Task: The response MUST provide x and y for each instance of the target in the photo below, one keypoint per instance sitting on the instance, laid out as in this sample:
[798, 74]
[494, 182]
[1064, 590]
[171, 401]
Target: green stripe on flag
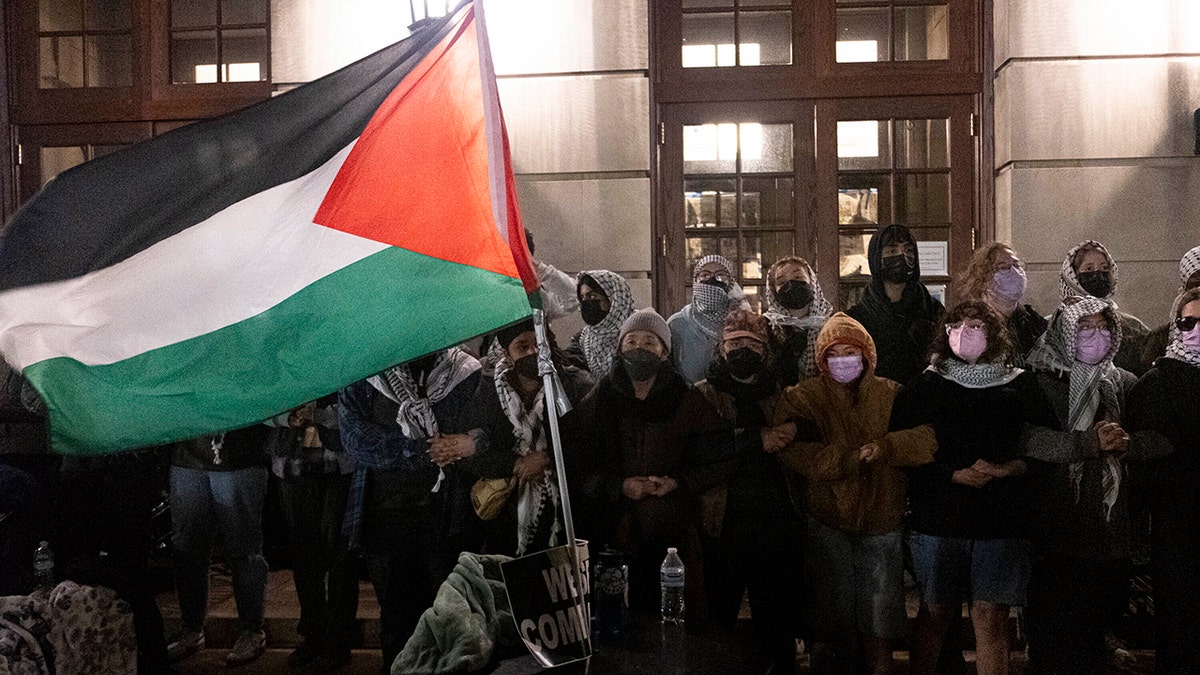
[385, 309]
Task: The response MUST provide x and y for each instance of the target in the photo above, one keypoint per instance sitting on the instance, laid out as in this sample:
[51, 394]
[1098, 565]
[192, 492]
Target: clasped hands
[640, 487]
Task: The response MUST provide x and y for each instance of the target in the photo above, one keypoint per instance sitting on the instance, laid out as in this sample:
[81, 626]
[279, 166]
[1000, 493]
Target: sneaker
[184, 642]
[308, 650]
[249, 646]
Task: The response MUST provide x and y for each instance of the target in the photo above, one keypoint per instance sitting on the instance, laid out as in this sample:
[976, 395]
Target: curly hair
[973, 282]
[1000, 344]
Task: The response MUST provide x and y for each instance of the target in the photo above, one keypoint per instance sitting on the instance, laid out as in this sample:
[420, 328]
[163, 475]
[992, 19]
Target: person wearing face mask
[514, 411]
[968, 507]
[657, 445]
[1089, 270]
[854, 496]
[409, 508]
[796, 310]
[1079, 488]
[1165, 400]
[996, 276]
[696, 329]
[1155, 343]
[752, 530]
[896, 308]
[604, 303]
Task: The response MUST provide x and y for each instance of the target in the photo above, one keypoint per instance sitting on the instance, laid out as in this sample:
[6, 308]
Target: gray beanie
[648, 320]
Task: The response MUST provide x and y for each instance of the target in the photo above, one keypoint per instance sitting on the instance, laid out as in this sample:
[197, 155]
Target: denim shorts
[949, 569]
[854, 582]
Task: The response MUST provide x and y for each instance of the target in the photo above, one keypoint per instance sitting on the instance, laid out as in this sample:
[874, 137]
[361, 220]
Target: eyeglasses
[964, 326]
[1186, 323]
[1089, 331]
[705, 275]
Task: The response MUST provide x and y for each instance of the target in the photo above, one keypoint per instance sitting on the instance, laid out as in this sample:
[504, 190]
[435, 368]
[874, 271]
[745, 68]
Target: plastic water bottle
[671, 577]
[43, 566]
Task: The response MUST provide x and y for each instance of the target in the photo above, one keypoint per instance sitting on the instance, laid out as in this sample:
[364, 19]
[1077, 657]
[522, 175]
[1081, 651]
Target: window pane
[863, 144]
[766, 147]
[858, 206]
[108, 62]
[922, 144]
[60, 63]
[767, 202]
[863, 35]
[58, 160]
[922, 33]
[244, 50]
[102, 150]
[852, 253]
[188, 13]
[107, 14]
[687, 4]
[765, 38]
[194, 57]
[55, 15]
[762, 250]
[754, 296]
[708, 40]
[710, 148]
[699, 246]
[710, 203]
[923, 199]
[244, 11]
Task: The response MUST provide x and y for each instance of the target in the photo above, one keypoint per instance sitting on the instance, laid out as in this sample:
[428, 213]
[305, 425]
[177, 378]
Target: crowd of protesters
[993, 453]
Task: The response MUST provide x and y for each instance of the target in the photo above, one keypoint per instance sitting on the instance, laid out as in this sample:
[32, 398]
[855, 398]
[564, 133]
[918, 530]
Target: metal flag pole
[561, 405]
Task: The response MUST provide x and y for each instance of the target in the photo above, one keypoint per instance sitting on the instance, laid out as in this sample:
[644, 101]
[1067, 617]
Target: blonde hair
[973, 282]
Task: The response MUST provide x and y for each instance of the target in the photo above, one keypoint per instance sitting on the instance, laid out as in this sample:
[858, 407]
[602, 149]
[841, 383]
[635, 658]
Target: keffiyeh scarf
[710, 303]
[978, 376]
[536, 499]
[819, 311]
[1091, 385]
[599, 342]
[1068, 280]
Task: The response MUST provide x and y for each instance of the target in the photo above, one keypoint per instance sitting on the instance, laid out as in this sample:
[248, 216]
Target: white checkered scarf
[1189, 264]
[977, 376]
[1090, 386]
[709, 303]
[1068, 279]
[415, 415]
[600, 342]
[533, 497]
[818, 311]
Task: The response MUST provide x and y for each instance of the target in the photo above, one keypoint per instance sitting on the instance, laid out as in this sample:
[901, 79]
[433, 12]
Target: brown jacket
[841, 490]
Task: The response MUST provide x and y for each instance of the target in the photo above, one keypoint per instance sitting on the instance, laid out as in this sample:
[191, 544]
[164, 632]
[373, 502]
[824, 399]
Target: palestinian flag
[236, 268]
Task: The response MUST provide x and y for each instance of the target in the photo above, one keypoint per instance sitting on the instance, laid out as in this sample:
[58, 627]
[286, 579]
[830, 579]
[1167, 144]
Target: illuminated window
[219, 41]
[741, 37]
[892, 30]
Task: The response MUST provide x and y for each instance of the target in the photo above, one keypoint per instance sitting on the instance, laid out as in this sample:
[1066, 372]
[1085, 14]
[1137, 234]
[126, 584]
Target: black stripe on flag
[106, 210]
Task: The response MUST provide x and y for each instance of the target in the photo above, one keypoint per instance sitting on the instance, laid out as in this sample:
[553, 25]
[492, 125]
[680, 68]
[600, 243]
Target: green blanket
[469, 619]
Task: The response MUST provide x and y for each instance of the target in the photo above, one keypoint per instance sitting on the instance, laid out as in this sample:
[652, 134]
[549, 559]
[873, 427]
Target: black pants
[108, 510]
[324, 570]
[1070, 601]
[1175, 563]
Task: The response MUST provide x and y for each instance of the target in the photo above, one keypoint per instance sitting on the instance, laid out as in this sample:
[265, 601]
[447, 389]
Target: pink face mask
[1191, 338]
[968, 343]
[1092, 345]
[845, 369]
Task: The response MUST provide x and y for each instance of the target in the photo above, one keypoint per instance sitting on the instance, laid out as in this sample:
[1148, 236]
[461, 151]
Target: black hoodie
[901, 330]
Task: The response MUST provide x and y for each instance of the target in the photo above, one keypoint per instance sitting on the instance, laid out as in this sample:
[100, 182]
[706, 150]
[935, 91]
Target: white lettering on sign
[564, 627]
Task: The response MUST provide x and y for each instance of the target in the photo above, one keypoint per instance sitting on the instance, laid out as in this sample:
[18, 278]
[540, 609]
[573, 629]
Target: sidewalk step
[272, 661]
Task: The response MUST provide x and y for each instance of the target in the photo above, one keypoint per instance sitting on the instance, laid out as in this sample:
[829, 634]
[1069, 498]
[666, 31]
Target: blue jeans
[230, 502]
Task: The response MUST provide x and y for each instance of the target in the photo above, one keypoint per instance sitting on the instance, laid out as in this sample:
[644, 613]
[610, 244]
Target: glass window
[219, 41]
[892, 30]
[751, 36]
[84, 43]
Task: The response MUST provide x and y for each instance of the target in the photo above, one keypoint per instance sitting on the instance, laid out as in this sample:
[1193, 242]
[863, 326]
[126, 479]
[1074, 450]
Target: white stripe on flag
[494, 127]
[236, 264]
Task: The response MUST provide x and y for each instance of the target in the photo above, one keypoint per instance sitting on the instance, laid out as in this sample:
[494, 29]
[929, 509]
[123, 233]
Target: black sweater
[970, 424]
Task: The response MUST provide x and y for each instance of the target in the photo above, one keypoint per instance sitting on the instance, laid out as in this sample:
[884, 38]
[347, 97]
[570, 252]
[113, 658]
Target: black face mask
[744, 363]
[897, 268]
[528, 366]
[712, 281]
[640, 364]
[795, 294]
[591, 312]
[1097, 284]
